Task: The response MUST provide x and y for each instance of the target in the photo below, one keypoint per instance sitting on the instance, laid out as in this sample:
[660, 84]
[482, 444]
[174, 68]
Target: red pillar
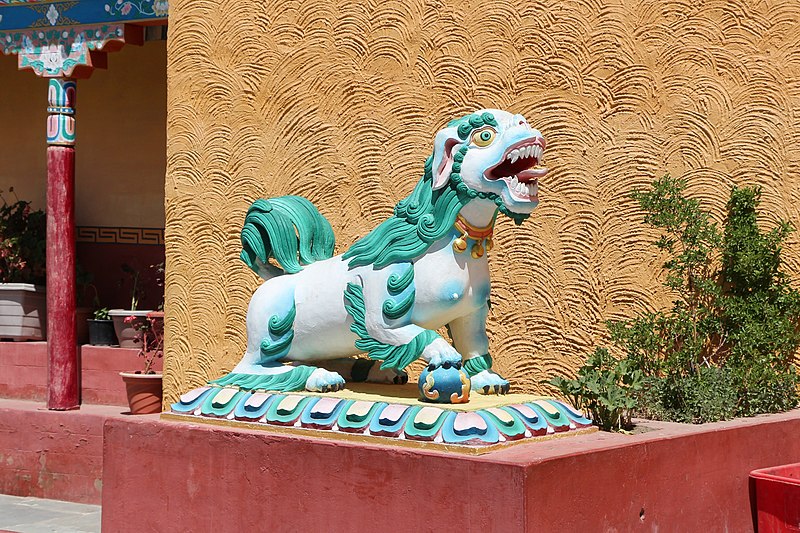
[63, 389]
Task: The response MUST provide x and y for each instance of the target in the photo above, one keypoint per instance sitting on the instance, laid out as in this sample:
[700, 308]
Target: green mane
[418, 221]
[425, 216]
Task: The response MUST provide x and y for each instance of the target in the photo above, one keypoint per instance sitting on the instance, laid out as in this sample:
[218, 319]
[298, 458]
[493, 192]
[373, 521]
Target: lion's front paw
[440, 352]
[322, 380]
[489, 382]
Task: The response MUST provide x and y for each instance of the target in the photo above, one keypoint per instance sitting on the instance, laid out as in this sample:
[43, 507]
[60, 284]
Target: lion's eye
[484, 137]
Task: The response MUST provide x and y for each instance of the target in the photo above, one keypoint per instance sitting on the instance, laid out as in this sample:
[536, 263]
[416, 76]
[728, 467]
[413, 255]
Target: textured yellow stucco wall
[339, 101]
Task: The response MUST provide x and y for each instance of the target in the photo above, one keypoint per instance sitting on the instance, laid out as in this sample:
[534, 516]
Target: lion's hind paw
[489, 382]
[322, 380]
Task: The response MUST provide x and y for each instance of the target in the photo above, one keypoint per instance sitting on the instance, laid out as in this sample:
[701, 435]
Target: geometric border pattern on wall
[114, 235]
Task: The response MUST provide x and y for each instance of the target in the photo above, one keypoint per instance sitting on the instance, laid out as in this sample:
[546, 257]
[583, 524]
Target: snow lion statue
[423, 268]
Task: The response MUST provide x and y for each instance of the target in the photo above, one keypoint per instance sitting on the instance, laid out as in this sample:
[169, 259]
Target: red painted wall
[676, 478]
[208, 479]
[52, 454]
[23, 372]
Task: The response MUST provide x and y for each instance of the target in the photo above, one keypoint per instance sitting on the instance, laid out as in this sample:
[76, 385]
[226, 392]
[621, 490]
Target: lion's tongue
[531, 174]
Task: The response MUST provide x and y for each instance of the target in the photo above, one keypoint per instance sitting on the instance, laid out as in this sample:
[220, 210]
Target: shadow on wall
[104, 262]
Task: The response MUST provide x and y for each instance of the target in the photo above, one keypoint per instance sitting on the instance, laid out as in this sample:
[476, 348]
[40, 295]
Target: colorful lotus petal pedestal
[387, 414]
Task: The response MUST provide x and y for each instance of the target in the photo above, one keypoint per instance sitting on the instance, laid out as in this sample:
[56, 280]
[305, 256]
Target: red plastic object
[778, 498]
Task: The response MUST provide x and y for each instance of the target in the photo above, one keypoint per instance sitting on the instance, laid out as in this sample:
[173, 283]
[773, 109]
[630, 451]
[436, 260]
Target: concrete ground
[35, 515]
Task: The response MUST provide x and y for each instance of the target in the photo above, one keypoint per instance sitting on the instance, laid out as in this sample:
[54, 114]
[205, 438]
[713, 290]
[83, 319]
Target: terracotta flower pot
[144, 392]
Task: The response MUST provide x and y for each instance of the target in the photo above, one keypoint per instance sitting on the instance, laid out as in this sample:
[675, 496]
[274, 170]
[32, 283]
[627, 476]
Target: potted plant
[144, 386]
[126, 321]
[101, 329]
[23, 314]
[157, 317]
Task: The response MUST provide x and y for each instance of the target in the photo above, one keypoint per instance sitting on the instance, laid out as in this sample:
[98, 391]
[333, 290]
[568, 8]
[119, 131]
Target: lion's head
[496, 154]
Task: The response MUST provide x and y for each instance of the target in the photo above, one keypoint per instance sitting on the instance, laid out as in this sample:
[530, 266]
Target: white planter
[126, 332]
[23, 312]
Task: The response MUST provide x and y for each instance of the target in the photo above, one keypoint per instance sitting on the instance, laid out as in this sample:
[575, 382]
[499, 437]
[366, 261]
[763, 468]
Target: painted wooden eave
[42, 15]
[71, 38]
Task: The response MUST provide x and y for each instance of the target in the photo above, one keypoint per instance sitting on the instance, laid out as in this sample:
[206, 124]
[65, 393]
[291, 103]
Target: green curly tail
[288, 229]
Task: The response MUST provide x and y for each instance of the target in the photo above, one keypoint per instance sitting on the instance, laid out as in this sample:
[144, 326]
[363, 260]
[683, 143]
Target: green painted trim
[293, 380]
[393, 309]
[476, 365]
[396, 357]
[280, 326]
[466, 124]
[277, 415]
[397, 284]
[208, 407]
[274, 351]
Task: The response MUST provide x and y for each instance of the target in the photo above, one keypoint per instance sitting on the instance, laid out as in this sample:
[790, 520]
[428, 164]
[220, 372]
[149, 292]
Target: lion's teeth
[514, 181]
[514, 155]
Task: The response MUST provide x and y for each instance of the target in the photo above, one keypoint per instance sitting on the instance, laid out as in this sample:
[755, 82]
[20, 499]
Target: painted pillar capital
[61, 94]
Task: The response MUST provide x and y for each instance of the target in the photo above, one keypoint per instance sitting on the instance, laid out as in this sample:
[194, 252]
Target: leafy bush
[22, 243]
[606, 387]
[704, 396]
[726, 346]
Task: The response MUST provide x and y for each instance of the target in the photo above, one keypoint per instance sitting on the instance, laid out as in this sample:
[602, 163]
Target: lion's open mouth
[519, 169]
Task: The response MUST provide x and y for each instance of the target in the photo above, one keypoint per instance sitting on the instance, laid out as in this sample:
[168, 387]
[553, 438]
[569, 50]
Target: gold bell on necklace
[489, 243]
[460, 245]
[477, 250]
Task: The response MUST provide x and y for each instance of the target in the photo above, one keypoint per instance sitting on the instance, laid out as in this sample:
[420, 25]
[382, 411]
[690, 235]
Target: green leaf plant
[727, 345]
[605, 387]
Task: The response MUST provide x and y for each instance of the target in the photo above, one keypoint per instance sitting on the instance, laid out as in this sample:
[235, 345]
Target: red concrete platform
[159, 474]
[53, 454]
[23, 372]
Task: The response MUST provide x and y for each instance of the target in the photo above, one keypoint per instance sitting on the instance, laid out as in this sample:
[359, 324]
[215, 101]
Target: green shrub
[726, 346]
[705, 396]
[605, 387]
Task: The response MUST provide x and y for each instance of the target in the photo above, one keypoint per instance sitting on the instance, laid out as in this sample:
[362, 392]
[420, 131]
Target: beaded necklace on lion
[481, 236]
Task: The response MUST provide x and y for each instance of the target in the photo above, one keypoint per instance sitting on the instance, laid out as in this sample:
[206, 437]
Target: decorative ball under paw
[447, 383]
